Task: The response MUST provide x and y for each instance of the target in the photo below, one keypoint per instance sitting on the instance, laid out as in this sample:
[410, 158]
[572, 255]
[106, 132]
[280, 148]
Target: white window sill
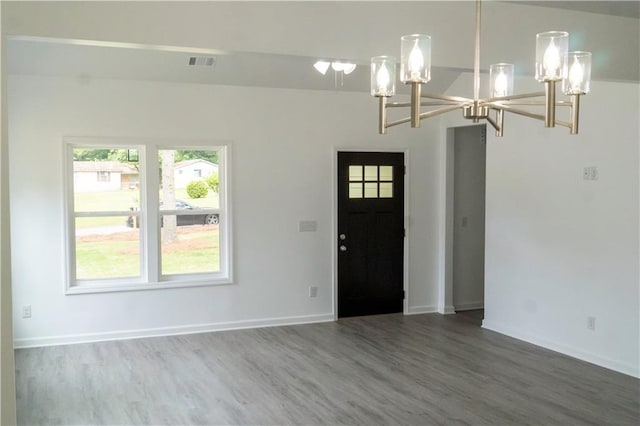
[91, 288]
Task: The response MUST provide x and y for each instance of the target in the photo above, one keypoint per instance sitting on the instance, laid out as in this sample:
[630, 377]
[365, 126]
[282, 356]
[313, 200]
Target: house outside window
[104, 176]
[124, 236]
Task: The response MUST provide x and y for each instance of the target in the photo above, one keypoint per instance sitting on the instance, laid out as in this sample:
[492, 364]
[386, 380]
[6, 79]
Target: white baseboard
[447, 310]
[32, 342]
[629, 369]
[469, 306]
[424, 309]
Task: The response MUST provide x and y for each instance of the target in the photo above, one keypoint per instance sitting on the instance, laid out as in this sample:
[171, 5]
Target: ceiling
[629, 8]
[86, 60]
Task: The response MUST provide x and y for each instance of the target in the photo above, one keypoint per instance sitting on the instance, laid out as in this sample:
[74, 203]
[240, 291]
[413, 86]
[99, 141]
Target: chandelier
[554, 63]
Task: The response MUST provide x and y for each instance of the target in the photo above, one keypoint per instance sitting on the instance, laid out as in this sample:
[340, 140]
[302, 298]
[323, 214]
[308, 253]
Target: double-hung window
[149, 225]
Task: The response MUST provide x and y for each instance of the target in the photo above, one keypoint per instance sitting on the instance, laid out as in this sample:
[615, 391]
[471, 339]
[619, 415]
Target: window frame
[151, 277]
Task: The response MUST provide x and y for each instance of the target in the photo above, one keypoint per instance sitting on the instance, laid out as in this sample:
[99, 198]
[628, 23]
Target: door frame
[334, 222]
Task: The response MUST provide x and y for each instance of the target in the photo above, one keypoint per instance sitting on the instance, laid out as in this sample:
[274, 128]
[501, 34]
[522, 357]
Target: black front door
[370, 236]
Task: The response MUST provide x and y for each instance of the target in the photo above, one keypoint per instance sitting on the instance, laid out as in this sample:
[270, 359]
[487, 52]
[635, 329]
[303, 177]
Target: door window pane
[355, 173]
[386, 190]
[355, 190]
[370, 173]
[386, 173]
[371, 190]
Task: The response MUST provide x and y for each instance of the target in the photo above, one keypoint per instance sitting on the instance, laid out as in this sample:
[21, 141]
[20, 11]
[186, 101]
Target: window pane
[371, 190]
[355, 190]
[386, 173]
[386, 190]
[189, 179]
[355, 173]
[106, 248]
[103, 180]
[370, 172]
[190, 247]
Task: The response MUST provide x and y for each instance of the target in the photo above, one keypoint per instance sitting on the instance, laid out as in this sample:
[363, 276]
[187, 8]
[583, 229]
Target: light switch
[307, 226]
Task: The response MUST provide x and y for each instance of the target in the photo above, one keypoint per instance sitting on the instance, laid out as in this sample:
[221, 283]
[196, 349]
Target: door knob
[343, 237]
[343, 248]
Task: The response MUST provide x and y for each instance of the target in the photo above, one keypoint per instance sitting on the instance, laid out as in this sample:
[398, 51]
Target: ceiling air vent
[202, 61]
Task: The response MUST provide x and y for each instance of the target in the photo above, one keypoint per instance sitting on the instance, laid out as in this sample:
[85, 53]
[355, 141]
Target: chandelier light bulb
[551, 60]
[501, 80]
[383, 76]
[500, 87]
[383, 79]
[576, 75]
[416, 62]
[415, 52]
[551, 55]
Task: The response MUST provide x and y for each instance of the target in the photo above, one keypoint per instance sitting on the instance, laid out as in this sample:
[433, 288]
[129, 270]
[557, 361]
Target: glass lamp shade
[345, 67]
[383, 76]
[415, 61]
[348, 68]
[551, 54]
[322, 66]
[577, 74]
[500, 80]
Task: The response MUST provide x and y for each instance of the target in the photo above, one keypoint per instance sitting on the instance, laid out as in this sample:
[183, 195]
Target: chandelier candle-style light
[554, 63]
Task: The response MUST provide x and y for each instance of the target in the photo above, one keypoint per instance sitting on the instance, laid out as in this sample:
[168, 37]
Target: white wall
[559, 248]
[291, 138]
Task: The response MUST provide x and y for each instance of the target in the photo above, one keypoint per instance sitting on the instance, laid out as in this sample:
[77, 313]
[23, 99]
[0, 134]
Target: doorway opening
[466, 182]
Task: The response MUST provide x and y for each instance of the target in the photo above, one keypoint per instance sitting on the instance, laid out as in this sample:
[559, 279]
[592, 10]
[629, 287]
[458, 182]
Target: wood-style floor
[381, 370]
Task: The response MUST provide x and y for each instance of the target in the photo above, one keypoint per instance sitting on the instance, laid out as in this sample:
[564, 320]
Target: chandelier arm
[400, 121]
[517, 111]
[450, 98]
[408, 104]
[512, 97]
[540, 117]
[528, 103]
[500, 120]
[493, 123]
[434, 112]
[575, 113]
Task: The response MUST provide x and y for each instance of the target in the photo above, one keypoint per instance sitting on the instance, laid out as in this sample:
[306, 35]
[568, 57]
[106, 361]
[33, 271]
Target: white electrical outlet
[591, 323]
[313, 291]
[26, 311]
